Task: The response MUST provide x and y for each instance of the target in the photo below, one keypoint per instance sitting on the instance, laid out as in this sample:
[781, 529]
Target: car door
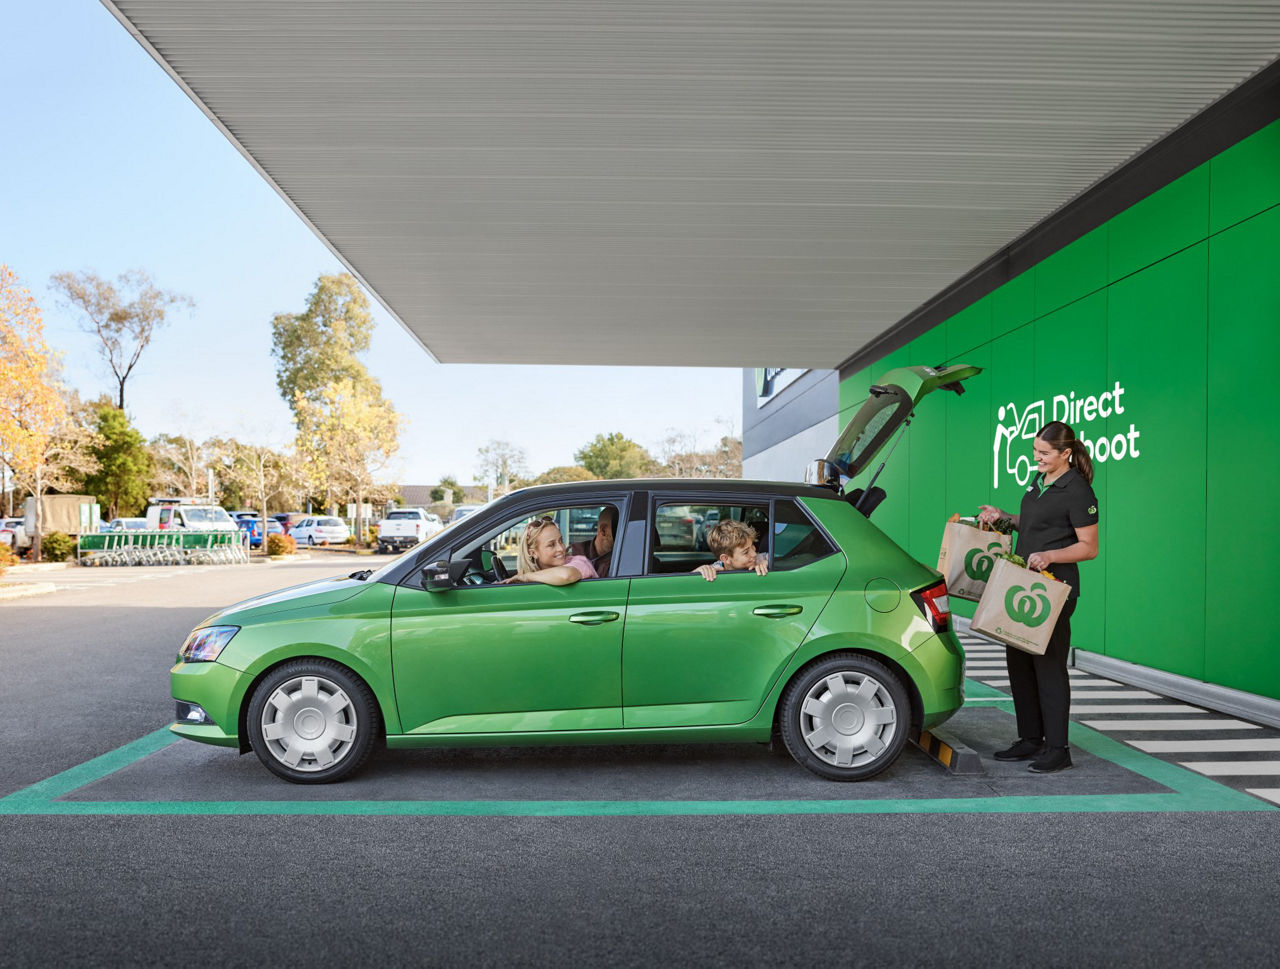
[492, 659]
[699, 653]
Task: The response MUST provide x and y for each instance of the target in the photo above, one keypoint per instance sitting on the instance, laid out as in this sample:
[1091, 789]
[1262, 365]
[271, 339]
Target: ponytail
[1081, 461]
[1061, 437]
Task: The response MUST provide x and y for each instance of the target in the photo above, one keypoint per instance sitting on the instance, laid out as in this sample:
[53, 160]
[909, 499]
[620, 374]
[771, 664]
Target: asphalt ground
[120, 846]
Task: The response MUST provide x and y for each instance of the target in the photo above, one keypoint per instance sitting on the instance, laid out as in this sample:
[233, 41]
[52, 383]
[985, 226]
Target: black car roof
[684, 485]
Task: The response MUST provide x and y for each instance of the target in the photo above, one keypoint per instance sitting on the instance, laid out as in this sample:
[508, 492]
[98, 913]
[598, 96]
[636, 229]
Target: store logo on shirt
[1016, 428]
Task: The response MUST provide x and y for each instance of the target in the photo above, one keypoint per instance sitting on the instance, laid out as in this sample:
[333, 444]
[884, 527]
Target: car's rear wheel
[312, 722]
[846, 717]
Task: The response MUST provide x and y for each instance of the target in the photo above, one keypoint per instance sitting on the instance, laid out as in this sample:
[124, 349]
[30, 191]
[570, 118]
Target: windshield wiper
[361, 575]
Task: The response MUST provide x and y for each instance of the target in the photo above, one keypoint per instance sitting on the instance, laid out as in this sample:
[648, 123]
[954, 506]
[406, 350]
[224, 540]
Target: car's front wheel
[845, 717]
[313, 721]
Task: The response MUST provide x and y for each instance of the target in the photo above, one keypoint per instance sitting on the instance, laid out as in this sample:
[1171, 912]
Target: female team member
[1057, 528]
[542, 557]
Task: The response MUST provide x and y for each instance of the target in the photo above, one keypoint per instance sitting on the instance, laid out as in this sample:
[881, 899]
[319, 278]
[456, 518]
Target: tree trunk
[38, 532]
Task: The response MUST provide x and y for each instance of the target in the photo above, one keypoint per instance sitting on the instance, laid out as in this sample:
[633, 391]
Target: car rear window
[330, 522]
[797, 541]
[681, 530]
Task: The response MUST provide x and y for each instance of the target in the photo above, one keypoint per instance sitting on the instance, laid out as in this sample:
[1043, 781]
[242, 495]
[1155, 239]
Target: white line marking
[1114, 695]
[1239, 745]
[1188, 725]
[1233, 768]
[1085, 709]
[1266, 793]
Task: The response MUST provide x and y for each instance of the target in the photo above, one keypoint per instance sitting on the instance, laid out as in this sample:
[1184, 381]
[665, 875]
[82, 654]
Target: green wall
[1175, 301]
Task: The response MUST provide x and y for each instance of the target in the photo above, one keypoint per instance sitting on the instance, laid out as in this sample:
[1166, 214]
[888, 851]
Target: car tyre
[845, 717]
[313, 721]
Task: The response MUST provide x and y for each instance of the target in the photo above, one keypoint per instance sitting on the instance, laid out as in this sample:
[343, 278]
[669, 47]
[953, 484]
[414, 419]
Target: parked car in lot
[201, 518]
[406, 527]
[13, 534]
[320, 530]
[127, 525]
[844, 648]
[290, 518]
[462, 511]
[253, 528]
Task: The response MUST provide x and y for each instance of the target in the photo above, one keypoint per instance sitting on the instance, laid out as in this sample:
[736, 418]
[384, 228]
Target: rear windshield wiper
[361, 575]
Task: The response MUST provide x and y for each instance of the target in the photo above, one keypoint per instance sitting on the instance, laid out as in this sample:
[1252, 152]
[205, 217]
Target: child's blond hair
[729, 535]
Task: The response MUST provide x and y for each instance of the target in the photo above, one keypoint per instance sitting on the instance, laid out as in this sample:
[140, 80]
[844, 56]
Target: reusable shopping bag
[967, 557]
[1019, 607]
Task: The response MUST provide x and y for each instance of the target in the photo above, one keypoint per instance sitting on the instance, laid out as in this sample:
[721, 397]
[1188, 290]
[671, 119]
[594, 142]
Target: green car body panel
[629, 659]
[700, 661]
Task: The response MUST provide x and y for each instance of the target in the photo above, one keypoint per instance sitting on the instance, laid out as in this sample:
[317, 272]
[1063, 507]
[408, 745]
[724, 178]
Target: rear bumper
[398, 541]
[941, 660]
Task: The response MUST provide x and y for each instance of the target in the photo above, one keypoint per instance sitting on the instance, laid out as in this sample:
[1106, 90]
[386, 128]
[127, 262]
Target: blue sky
[109, 166]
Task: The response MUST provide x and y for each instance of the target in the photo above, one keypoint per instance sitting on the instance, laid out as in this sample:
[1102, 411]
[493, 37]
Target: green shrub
[7, 557]
[281, 545]
[57, 547]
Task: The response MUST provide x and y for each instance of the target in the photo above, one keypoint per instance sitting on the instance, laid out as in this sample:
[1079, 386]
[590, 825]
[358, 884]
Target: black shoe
[1022, 750]
[1053, 759]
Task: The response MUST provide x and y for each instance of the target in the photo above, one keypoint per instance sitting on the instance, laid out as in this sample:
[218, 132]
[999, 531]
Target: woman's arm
[1085, 548]
[556, 575]
[991, 514]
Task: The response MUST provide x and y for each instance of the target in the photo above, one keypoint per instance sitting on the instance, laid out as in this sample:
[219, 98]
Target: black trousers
[1041, 687]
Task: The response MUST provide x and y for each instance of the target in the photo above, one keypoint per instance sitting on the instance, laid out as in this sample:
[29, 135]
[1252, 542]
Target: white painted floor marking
[1113, 695]
[1233, 768]
[1271, 794]
[1236, 746]
[1085, 709]
[1189, 725]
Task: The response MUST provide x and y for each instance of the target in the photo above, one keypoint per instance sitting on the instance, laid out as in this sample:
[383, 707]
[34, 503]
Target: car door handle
[593, 618]
[777, 612]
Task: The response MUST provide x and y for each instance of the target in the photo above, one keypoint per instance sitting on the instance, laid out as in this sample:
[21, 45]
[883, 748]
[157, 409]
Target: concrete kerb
[39, 567]
[26, 589]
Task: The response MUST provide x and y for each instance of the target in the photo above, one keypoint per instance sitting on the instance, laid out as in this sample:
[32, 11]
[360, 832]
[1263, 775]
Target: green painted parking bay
[160, 774]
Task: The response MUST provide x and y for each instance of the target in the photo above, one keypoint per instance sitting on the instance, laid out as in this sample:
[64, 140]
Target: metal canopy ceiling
[710, 182]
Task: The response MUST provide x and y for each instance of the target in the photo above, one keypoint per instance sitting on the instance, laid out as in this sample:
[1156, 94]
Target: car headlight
[205, 645]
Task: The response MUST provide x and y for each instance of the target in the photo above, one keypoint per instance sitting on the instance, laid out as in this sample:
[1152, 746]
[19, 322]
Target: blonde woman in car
[542, 557]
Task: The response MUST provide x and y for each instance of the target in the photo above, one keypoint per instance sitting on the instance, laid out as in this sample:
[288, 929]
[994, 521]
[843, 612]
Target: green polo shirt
[1049, 517]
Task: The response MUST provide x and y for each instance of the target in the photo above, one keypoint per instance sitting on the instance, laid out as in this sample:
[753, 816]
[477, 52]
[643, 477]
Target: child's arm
[708, 572]
[762, 565]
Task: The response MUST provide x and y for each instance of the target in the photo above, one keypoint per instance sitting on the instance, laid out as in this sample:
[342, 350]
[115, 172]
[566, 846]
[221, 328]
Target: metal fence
[175, 547]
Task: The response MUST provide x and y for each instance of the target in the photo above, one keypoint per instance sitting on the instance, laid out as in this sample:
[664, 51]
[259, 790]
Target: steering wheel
[499, 569]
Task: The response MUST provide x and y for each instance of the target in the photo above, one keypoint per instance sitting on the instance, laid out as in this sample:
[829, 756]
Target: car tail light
[936, 607]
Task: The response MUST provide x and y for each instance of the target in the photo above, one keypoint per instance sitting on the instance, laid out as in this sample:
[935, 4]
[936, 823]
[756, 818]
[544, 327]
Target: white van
[197, 518]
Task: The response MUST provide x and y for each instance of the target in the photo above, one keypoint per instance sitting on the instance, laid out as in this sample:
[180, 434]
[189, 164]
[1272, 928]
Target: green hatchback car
[844, 648]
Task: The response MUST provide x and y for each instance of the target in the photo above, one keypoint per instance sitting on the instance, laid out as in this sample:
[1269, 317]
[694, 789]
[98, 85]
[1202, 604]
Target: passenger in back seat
[734, 544]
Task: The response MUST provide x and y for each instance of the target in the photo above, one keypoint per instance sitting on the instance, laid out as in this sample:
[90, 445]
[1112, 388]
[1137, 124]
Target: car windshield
[205, 516]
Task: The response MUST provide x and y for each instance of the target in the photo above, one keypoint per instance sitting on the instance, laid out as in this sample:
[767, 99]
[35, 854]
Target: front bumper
[220, 691]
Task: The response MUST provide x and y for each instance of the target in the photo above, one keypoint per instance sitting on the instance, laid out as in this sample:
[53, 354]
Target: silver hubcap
[848, 719]
[309, 724]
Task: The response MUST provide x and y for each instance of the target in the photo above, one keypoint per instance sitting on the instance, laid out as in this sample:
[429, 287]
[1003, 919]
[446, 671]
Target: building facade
[1147, 315]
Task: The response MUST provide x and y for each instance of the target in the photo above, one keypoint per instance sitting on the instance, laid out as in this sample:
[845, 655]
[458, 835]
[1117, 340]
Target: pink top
[583, 565]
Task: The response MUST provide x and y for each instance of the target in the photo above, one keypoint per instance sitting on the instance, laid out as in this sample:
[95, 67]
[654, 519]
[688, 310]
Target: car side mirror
[442, 576]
